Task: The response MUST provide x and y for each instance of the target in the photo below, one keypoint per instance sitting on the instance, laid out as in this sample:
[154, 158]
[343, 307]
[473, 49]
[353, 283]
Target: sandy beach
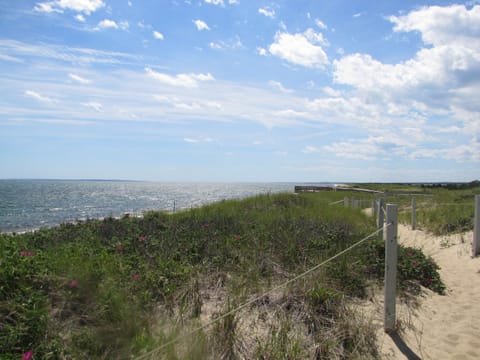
[440, 327]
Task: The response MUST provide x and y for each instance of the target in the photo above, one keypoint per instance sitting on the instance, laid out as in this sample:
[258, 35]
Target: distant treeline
[453, 186]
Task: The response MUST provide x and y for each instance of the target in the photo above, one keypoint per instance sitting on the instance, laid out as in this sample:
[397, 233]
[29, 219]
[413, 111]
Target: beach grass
[120, 288]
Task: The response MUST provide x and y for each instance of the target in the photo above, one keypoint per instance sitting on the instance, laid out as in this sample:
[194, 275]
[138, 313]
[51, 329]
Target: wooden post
[374, 207]
[380, 217]
[345, 201]
[390, 269]
[476, 229]
[414, 206]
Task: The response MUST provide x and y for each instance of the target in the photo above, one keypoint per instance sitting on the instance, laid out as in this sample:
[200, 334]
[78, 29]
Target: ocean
[27, 205]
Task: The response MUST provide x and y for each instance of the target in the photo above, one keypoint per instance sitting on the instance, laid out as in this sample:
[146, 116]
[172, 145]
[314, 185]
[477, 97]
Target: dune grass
[118, 288]
[441, 209]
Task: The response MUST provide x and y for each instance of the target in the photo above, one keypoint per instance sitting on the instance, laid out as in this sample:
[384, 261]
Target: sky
[240, 90]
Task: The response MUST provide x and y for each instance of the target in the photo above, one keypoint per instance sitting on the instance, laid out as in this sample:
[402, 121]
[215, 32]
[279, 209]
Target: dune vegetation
[144, 287]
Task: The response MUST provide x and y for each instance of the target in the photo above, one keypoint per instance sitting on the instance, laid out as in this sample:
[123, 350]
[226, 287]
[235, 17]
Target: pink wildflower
[428, 281]
[142, 238]
[409, 254]
[119, 247]
[30, 254]
[23, 253]
[136, 277]
[237, 237]
[73, 284]
[27, 356]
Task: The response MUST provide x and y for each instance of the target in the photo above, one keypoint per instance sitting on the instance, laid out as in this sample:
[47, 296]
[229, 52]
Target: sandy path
[442, 327]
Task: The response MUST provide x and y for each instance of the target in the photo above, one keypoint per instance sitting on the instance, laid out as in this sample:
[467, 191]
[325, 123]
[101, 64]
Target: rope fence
[259, 297]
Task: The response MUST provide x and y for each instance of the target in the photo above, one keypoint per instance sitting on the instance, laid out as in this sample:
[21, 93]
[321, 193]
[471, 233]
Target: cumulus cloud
[267, 11]
[183, 80]
[82, 6]
[201, 25]
[157, 35]
[111, 24]
[35, 95]
[261, 51]
[438, 25]
[78, 79]
[440, 74]
[303, 49]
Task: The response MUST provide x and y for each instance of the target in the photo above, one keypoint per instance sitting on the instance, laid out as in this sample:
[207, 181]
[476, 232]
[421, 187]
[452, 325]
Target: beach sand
[440, 327]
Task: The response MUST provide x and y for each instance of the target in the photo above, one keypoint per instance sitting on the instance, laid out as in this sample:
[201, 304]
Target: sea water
[31, 204]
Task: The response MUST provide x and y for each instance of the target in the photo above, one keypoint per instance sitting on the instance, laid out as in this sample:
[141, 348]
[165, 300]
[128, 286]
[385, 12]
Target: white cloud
[438, 25]
[82, 6]
[34, 95]
[278, 85]
[79, 79]
[107, 24]
[438, 77]
[362, 149]
[261, 51]
[267, 11]
[215, 2]
[231, 44]
[201, 25]
[129, 3]
[80, 17]
[157, 35]
[182, 80]
[320, 24]
[94, 105]
[300, 48]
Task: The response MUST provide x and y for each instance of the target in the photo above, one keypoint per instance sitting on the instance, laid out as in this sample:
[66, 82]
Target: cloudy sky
[240, 90]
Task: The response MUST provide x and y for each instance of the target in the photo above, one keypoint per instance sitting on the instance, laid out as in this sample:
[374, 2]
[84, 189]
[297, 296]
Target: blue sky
[237, 90]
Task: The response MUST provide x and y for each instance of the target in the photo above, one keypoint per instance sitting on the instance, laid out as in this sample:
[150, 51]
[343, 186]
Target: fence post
[390, 269]
[414, 207]
[476, 229]
[380, 217]
[345, 201]
[374, 207]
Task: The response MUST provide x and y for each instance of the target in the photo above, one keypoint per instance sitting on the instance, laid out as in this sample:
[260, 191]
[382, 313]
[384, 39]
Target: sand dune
[441, 327]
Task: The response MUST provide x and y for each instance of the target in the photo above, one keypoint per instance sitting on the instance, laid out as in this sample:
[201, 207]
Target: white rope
[336, 202]
[260, 296]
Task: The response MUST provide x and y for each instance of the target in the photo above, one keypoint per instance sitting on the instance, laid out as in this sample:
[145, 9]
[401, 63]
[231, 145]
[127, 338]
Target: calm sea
[32, 204]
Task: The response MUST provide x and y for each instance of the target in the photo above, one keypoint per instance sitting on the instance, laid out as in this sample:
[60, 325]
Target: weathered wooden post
[380, 217]
[414, 206]
[345, 201]
[390, 269]
[476, 229]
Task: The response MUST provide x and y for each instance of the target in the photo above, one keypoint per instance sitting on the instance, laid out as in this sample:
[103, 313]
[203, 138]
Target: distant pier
[313, 188]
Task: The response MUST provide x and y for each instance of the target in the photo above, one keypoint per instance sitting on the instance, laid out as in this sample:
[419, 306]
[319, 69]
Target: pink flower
[409, 254]
[142, 238]
[136, 277]
[428, 281]
[73, 283]
[27, 356]
[23, 253]
[237, 237]
[30, 254]
[119, 247]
